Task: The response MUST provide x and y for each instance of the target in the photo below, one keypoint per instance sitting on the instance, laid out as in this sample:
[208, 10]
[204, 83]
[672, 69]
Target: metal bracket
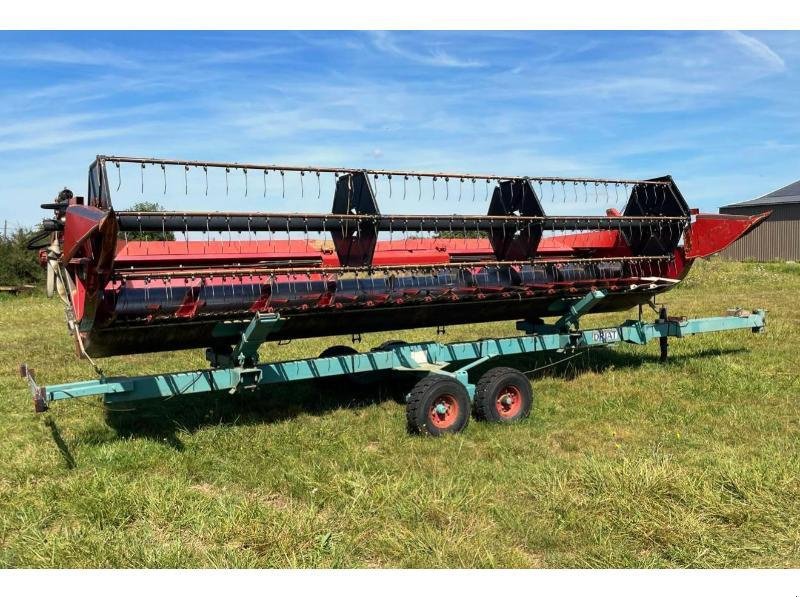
[578, 309]
[245, 379]
[246, 351]
[570, 321]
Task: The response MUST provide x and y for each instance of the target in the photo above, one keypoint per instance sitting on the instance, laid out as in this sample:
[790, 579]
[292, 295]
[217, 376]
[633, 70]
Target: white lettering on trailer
[605, 336]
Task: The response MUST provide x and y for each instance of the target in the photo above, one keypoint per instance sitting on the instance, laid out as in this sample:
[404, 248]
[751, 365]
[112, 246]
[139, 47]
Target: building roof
[786, 195]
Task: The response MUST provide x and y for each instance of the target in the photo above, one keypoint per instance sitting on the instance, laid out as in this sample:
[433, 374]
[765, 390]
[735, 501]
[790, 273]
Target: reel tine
[319, 187]
[419, 183]
[283, 185]
[265, 183]
[205, 170]
[119, 175]
[227, 170]
[302, 191]
[627, 196]
[244, 171]
[460, 185]
[447, 189]
[473, 189]
[164, 172]
[405, 179]
[389, 177]
[433, 186]
[185, 180]
[142, 177]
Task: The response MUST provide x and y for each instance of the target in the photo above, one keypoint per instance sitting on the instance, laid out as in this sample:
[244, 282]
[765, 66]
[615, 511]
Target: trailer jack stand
[663, 341]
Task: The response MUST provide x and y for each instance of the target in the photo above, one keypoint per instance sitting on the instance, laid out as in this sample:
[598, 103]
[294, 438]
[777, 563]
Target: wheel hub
[509, 402]
[444, 411]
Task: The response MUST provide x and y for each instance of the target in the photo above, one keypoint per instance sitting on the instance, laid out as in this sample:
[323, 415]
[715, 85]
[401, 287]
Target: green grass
[624, 463]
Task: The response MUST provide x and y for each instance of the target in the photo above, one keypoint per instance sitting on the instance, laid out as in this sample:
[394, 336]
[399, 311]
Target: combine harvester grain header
[352, 270]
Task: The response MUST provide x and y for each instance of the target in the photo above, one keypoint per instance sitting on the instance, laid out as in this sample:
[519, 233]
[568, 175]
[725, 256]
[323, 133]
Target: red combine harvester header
[354, 270]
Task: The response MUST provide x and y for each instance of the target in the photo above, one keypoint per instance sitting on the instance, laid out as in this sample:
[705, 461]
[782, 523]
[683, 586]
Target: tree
[148, 236]
[18, 265]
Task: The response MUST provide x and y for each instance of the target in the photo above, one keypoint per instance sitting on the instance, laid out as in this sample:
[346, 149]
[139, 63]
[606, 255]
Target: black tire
[338, 351]
[390, 345]
[438, 405]
[503, 395]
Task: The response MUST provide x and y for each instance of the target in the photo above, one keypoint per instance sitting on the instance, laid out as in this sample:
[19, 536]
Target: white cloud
[436, 57]
[758, 49]
[66, 54]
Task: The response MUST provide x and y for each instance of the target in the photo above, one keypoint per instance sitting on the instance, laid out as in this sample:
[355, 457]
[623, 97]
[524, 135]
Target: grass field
[624, 463]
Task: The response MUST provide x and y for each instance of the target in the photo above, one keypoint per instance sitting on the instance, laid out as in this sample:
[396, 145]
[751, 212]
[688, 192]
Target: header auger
[356, 269]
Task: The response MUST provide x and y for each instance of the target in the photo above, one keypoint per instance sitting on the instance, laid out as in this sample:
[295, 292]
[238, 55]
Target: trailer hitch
[39, 394]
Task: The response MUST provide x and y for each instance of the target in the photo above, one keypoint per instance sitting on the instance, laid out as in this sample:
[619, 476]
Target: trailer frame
[239, 369]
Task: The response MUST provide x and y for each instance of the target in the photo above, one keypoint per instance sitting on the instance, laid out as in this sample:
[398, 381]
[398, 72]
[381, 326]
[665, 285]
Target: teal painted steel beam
[254, 335]
[577, 309]
[407, 357]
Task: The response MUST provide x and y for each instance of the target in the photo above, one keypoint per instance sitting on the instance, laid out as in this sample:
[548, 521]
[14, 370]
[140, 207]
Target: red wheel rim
[444, 411]
[509, 402]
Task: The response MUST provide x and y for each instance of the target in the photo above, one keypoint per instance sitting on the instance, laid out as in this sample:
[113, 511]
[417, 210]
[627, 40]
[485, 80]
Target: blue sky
[720, 111]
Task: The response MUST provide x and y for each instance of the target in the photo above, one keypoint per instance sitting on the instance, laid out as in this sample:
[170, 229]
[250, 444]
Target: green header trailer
[444, 397]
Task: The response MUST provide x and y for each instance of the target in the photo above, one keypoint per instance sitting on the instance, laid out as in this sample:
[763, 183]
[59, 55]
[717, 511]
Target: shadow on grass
[598, 360]
[55, 432]
[162, 420]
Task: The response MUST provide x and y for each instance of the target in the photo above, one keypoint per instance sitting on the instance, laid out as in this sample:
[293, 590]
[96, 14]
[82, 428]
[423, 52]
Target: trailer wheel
[437, 405]
[503, 395]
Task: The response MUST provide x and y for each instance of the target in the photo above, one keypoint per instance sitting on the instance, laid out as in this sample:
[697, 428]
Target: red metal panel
[710, 234]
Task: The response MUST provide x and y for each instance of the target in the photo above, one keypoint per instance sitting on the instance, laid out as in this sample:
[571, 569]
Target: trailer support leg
[663, 341]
